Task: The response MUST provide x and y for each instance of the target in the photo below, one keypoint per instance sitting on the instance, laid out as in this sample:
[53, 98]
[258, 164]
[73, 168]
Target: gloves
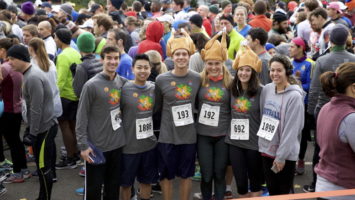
[28, 139]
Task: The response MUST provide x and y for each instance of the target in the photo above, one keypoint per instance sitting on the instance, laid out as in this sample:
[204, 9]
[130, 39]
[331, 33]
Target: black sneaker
[156, 189]
[308, 188]
[68, 163]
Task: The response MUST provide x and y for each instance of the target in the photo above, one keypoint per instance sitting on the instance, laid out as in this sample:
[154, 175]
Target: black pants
[43, 148]
[213, 159]
[10, 124]
[282, 182]
[107, 174]
[246, 169]
[306, 134]
[316, 151]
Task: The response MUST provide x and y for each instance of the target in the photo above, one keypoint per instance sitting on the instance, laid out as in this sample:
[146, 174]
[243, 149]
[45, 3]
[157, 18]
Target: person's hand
[28, 139]
[279, 165]
[86, 155]
[290, 35]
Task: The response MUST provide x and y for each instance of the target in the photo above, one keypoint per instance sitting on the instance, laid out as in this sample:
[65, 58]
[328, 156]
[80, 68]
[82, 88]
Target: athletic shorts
[143, 165]
[176, 160]
[69, 109]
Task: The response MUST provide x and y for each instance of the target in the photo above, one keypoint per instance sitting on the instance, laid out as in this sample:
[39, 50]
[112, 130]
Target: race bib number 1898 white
[144, 128]
[268, 127]
[182, 115]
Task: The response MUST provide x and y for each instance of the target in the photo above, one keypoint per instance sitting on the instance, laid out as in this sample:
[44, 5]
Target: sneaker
[197, 176]
[308, 188]
[6, 164]
[228, 195]
[26, 173]
[30, 158]
[156, 189]
[68, 163]
[3, 176]
[79, 191]
[300, 167]
[265, 191]
[3, 190]
[198, 195]
[82, 172]
[15, 178]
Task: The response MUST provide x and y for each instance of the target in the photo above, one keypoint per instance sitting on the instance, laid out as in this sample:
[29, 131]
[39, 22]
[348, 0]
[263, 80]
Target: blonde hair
[39, 48]
[227, 77]
[156, 61]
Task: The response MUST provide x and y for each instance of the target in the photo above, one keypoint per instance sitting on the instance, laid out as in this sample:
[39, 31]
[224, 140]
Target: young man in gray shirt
[99, 129]
[40, 116]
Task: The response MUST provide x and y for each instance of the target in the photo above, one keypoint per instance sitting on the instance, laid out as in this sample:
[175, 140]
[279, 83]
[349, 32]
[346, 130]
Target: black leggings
[282, 182]
[246, 169]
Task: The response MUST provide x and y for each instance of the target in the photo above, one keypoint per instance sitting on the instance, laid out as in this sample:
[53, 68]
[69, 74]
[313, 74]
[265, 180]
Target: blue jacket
[302, 70]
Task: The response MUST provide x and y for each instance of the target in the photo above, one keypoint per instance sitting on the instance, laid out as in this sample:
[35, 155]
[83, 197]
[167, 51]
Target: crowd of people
[157, 90]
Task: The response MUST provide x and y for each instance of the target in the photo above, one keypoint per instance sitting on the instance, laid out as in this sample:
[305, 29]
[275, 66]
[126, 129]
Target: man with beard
[280, 26]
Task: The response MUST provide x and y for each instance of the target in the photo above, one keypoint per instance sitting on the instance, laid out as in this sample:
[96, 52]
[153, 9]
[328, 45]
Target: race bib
[116, 118]
[240, 129]
[268, 127]
[209, 115]
[182, 115]
[144, 128]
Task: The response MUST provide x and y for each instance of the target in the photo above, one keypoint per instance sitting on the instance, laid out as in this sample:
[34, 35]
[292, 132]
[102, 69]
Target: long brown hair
[39, 48]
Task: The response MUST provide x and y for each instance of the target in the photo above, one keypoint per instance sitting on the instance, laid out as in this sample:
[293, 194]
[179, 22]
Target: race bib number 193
[182, 115]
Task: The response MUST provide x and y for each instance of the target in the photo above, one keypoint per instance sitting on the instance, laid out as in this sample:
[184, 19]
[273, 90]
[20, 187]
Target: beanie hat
[86, 42]
[64, 35]
[20, 52]
[117, 3]
[66, 8]
[228, 18]
[269, 46]
[247, 57]
[213, 9]
[197, 20]
[3, 5]
[279, 17]
[339, 34]
[13, 9]
[225, 4]
[215, 50]
[28, 8]
[179, 43]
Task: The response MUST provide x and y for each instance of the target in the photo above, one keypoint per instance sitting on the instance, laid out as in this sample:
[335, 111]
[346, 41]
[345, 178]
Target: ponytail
[328, 83]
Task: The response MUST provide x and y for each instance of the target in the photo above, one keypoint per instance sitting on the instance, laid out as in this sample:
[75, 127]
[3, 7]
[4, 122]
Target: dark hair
[108, 49]
[120, 35]
[186, 26]
[260, 34]
[81, 18]
[260, 7]
[104, 20]
[336, 82]
[3, 5]
[140, 57]
[179, 3]
[253, 85]
[7, 43]
[137, 6]
[199, 40]
[284, 61]
[318, 12]
[311, 5]
[276, 39]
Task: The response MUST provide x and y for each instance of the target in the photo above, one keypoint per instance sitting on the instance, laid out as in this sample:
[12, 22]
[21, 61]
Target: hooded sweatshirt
[286, 107]
[154, 33]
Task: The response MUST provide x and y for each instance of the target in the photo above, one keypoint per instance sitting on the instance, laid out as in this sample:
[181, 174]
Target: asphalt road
[69, 180]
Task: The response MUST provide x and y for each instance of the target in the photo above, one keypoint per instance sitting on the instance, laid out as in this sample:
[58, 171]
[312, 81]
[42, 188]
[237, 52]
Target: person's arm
[35, 90]
[346, 130]
[62, 72]
[314, 89]
[79, 80]
[158, 97]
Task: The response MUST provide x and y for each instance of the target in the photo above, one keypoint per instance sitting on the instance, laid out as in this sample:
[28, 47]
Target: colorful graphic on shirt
[173, 83]
[106, 89]
[135, 94]
[183, 91]
[145, 103]
[242, 104]
[214, 94]
[115, 96]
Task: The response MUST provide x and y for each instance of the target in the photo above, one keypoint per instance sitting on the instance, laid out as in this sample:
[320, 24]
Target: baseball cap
[335, 6]
[166, 18]
[87, 24]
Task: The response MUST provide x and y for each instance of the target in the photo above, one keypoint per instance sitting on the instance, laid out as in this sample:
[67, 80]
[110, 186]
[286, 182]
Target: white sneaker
[198, 195]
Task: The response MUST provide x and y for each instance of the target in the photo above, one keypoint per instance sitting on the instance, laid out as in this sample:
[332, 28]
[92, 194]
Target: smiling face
[278, 73]
[181, 58]
[214, 68]
[244, 74]
[141, 70]
[110, 62]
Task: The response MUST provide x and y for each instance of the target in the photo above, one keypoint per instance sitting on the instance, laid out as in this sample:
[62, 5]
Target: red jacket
[154, 33]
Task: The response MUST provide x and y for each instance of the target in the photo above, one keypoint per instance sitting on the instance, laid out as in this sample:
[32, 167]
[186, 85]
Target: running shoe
[82, 172]
[26, 173]
[228, 195]
[6, 164]
[308, 188]
[80, 191]
[300, 167]
[67, 163]
[264, 190]
[15, 178]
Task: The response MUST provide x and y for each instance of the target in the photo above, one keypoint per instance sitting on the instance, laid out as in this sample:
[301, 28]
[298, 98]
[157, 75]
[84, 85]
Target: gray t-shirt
[244, 107]
[210, 121]
[137, 111]
[264, 74]
[175, 98]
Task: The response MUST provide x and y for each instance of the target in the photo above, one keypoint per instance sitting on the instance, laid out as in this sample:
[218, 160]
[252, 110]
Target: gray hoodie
[287, 107]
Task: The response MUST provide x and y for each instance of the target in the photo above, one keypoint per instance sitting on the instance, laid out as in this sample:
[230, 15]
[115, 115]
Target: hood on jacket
[155, 31]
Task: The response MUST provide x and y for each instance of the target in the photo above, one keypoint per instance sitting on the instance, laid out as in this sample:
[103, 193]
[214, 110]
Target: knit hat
[20, 52]
[279, 17]
[215, 50]
[28, 8]
[117, 3]
[213, 9]
[225, 4]
[41, 12]
[228, 18]
[179, 43]
[86, 42]
[67, 9]
[247, 57]
[339, 34]
[13, 9]
[46, 4]
[64, 35]
[269, 46]
[197, 20]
